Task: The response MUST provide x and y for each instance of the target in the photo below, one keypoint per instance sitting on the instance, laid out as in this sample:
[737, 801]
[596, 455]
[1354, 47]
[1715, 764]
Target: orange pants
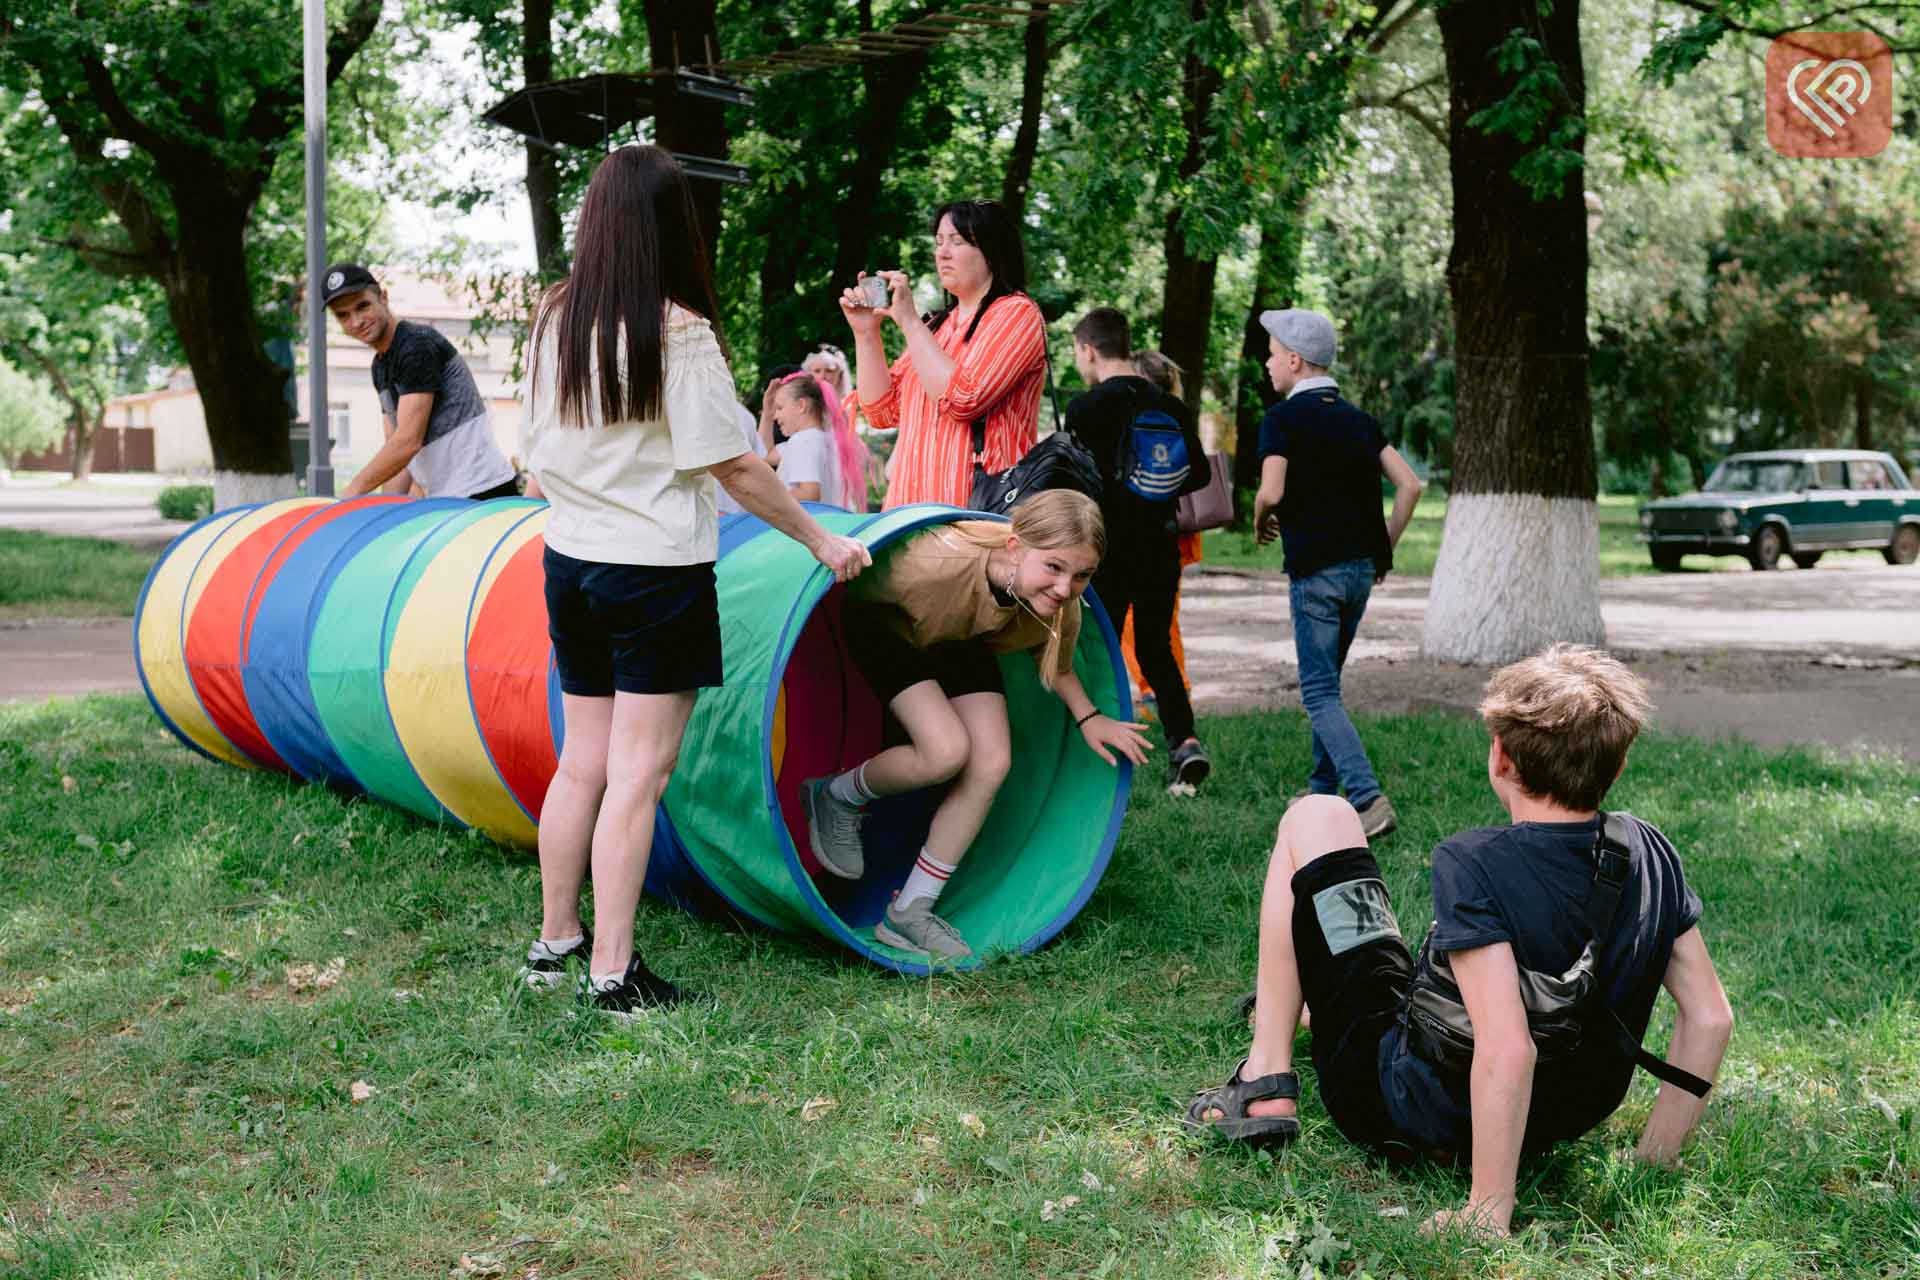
[1189, 554]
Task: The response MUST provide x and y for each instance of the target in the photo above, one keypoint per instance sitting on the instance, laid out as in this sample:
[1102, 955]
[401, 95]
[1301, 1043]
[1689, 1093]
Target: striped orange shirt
[998, 376]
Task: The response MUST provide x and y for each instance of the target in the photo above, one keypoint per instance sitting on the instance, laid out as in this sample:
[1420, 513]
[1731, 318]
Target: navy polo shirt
[1331, 511]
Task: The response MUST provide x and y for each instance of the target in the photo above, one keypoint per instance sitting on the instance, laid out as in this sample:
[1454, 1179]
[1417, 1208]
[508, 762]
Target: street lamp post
[320, 442]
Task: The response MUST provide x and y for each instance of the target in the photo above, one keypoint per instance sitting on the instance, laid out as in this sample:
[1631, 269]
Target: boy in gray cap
[1320, 465]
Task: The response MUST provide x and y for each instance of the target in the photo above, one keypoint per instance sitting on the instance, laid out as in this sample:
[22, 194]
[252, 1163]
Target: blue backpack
[1151, 460]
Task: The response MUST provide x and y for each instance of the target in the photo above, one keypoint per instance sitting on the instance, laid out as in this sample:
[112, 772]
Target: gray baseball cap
[1308, 333]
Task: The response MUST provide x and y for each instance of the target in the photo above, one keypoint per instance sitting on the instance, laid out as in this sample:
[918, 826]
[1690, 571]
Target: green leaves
[1540, 110]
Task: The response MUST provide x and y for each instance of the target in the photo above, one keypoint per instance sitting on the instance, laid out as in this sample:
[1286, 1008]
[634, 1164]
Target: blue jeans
[1327, 608]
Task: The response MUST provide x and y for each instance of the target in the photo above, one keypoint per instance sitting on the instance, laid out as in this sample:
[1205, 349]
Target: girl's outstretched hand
[1106, 735]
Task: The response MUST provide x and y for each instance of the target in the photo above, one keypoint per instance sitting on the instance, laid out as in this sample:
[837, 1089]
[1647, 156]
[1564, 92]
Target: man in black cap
[437, 425]
[1320, 465]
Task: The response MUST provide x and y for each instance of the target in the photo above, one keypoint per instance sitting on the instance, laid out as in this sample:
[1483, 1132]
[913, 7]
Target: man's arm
[1266, 503]
[1501, 1085]
[409, 433]
[1406, 492]
[1702, 1026]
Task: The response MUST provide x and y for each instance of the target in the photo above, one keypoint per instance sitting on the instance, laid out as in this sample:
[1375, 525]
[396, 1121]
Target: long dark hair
[636, 248]
[988, 227]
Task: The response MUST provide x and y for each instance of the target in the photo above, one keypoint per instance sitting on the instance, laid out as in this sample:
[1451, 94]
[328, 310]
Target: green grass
[1621, 554]
[169, 1108]
[48, 575]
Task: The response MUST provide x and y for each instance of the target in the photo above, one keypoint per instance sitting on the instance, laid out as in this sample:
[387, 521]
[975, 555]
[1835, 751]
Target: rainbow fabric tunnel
[399, 648]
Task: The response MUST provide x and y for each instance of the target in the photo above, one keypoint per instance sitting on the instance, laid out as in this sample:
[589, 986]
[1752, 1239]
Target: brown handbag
[1211, 505]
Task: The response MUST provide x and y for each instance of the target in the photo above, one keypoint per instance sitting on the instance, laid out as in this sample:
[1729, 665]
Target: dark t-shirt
[1330, 513]
[420, 360]
[1099, 416]
[1527, 885]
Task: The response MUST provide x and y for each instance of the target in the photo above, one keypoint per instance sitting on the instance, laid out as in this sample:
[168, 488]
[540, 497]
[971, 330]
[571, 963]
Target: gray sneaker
[914, 927]
[833, 829]
[1379, 819]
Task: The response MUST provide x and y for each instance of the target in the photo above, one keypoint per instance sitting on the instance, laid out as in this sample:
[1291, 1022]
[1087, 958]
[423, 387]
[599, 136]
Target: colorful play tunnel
[399, 648]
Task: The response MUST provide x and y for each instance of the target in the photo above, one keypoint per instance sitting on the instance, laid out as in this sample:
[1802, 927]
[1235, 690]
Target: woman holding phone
[631, 417]
[982, 359]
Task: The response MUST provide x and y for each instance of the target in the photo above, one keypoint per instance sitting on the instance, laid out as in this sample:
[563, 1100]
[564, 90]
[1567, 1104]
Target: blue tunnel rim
[811, 592]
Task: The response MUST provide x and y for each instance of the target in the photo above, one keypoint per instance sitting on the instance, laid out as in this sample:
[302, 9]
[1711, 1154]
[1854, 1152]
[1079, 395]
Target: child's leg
[989, 755]
[936, 749]
[1313, 826]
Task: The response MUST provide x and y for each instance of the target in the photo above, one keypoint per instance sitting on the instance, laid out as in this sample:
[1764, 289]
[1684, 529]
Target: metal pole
[320, 443]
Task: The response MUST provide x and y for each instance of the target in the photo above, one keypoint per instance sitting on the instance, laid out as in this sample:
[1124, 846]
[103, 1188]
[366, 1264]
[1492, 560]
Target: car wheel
[1766, 549]
[1806, 559]
[1905, 547]
[1665, 559]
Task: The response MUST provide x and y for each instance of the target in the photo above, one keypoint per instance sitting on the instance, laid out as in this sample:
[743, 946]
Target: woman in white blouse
[631, 417]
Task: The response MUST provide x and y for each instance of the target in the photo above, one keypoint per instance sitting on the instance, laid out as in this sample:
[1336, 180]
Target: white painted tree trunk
[1517, 572]
[238, 488]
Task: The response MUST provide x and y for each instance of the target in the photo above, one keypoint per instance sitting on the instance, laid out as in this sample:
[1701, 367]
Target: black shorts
[632, 628]
[892, 664]
[1354, 972]
[505, 489]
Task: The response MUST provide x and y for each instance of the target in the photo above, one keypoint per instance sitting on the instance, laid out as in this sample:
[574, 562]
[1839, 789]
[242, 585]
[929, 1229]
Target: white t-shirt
[638, 492]
[808, 457]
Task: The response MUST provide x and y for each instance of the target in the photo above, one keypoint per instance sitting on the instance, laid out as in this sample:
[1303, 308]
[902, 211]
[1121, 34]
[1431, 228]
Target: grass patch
[169, 1106]
[1621, 554]
[49, 575]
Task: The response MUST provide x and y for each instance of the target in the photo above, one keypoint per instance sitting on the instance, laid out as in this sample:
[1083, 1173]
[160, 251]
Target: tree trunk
[83, 435]
[888, 85]
[1519, 562]
[1863, 413]
[1186, 300]
[1026, 141]
[543, 174]
[1274, 280]
[211, 308]
[680, 32]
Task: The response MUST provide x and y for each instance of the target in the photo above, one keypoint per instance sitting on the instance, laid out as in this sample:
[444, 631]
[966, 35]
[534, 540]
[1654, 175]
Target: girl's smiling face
[1048, 579]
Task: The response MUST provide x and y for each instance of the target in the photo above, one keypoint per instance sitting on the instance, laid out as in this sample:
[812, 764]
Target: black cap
[343, 278]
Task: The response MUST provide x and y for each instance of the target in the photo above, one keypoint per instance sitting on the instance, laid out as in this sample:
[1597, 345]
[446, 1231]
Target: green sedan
[1795, 503]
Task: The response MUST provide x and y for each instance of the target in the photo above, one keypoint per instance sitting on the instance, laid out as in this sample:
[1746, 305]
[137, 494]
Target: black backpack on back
[1061, 461]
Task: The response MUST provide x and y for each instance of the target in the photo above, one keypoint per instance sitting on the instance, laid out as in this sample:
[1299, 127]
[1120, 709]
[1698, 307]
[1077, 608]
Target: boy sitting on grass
[1519, 1025]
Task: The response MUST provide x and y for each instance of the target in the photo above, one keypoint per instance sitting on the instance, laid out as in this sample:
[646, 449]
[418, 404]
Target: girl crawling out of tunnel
[926, 627]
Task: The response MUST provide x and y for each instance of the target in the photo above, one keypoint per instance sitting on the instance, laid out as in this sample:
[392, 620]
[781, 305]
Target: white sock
[606, 981]
[928, 879]
[851, 787]
[555, 947]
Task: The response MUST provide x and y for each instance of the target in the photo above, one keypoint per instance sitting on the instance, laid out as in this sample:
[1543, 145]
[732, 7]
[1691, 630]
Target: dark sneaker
[914, 927]
[546, 968]
[641, 989]
[1379, 819]
[833, 829]
[1188, 768]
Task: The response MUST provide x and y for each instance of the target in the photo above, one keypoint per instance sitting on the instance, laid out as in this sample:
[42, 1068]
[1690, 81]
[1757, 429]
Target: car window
[1755, 475]
[1868, 474]
[1829, 475]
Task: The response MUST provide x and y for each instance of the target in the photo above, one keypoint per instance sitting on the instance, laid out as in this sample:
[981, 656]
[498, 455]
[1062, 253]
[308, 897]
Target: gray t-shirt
[458, 458]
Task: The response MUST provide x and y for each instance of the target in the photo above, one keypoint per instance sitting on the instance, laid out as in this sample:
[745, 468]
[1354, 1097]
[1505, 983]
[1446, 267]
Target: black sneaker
[1188, 768]
[546, 968]
[639, 990]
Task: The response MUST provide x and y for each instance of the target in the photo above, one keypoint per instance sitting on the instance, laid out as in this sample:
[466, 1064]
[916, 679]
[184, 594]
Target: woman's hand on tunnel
[1106, 736]
[845, 556]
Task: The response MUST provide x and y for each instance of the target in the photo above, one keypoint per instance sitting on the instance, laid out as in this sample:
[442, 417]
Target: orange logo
[1829, 94]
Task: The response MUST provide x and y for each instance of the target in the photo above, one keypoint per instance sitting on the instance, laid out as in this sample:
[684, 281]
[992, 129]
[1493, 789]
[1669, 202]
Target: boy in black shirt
[1141, 570]
[1320, 465]
[1511, 906]
[439, 432]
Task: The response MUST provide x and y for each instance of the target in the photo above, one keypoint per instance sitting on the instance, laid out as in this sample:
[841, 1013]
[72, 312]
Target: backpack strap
[1611, 859]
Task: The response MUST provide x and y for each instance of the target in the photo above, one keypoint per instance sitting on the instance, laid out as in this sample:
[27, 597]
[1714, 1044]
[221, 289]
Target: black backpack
[1567, 1014]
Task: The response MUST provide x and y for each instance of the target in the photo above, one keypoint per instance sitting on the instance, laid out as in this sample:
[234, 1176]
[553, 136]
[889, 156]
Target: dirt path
[1826, 656]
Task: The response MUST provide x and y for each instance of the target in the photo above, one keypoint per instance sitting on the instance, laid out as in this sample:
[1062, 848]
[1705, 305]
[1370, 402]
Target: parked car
[1796, 503]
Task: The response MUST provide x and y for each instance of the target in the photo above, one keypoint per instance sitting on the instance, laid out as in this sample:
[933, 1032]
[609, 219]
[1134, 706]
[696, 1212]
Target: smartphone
[874, 293]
